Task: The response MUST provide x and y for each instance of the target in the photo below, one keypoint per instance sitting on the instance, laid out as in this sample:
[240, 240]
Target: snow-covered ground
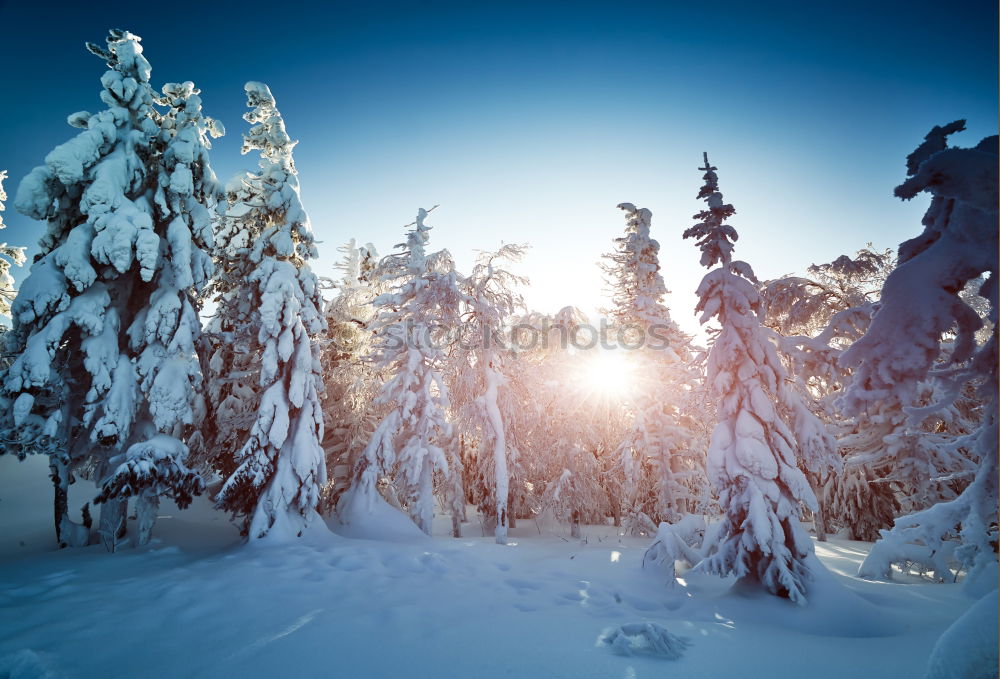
[197, 603]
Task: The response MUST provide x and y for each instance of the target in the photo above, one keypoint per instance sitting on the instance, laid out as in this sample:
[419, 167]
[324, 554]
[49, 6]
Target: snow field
[195, 603]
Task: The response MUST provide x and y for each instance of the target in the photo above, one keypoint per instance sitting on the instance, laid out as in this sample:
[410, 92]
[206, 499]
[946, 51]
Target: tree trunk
[112, 523]
[819, 521]
[489, 521]
[457, 498]
[574, 528]
[616, 510]
[819, 517]
[501, 487]
[423, 511]
[146, 507]
[68, 532]
[60, 495]
[680, 503]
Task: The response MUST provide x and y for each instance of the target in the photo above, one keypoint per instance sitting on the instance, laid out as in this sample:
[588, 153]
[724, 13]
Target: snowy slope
[196, 603]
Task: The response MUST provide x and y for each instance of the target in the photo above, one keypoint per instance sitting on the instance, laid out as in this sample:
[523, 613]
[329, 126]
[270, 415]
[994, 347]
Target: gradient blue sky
[529, 122]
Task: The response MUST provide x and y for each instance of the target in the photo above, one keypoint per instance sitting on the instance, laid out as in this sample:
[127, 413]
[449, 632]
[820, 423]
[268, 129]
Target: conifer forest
[269, 418]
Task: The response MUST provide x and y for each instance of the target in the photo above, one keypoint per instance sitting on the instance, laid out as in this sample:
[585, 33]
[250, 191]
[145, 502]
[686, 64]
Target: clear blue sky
[529, 122]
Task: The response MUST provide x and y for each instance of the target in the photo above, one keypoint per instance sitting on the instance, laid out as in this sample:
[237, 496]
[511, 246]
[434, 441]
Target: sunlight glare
[609, 372]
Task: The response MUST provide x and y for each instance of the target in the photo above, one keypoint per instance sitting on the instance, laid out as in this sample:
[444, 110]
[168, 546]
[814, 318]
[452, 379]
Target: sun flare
[609, 372]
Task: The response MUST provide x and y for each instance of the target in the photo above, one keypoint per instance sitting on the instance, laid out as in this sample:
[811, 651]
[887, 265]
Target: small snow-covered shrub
[680, 541]
[644, 638]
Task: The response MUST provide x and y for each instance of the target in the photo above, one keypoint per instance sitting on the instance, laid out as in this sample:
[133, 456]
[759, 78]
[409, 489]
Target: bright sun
[609, 372]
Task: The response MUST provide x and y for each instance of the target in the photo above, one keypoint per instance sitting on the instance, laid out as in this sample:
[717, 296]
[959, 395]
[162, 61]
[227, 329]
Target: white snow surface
[196, 602]
[968, 649]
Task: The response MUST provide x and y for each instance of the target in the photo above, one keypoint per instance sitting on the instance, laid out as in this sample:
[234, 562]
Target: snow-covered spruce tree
[9, 256]
[480, 388]
[752, 457]
[413, 440]
[276, 314]
[105, 375]
[657, 438]
[351, 382]
[920, 303]
[165, 334]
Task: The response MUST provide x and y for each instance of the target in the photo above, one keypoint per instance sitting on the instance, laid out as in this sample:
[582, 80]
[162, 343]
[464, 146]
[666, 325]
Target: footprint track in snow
[350, 562]
[522, 586]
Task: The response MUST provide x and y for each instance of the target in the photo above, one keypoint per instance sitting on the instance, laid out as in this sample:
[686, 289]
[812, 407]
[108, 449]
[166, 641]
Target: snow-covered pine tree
[9, 256]
[276, 314]
[165, 333]
[752, 457]
[105, 373]
[351, 381]
[413, 439]
[921, 302]
[657, 438]
[480, 387]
